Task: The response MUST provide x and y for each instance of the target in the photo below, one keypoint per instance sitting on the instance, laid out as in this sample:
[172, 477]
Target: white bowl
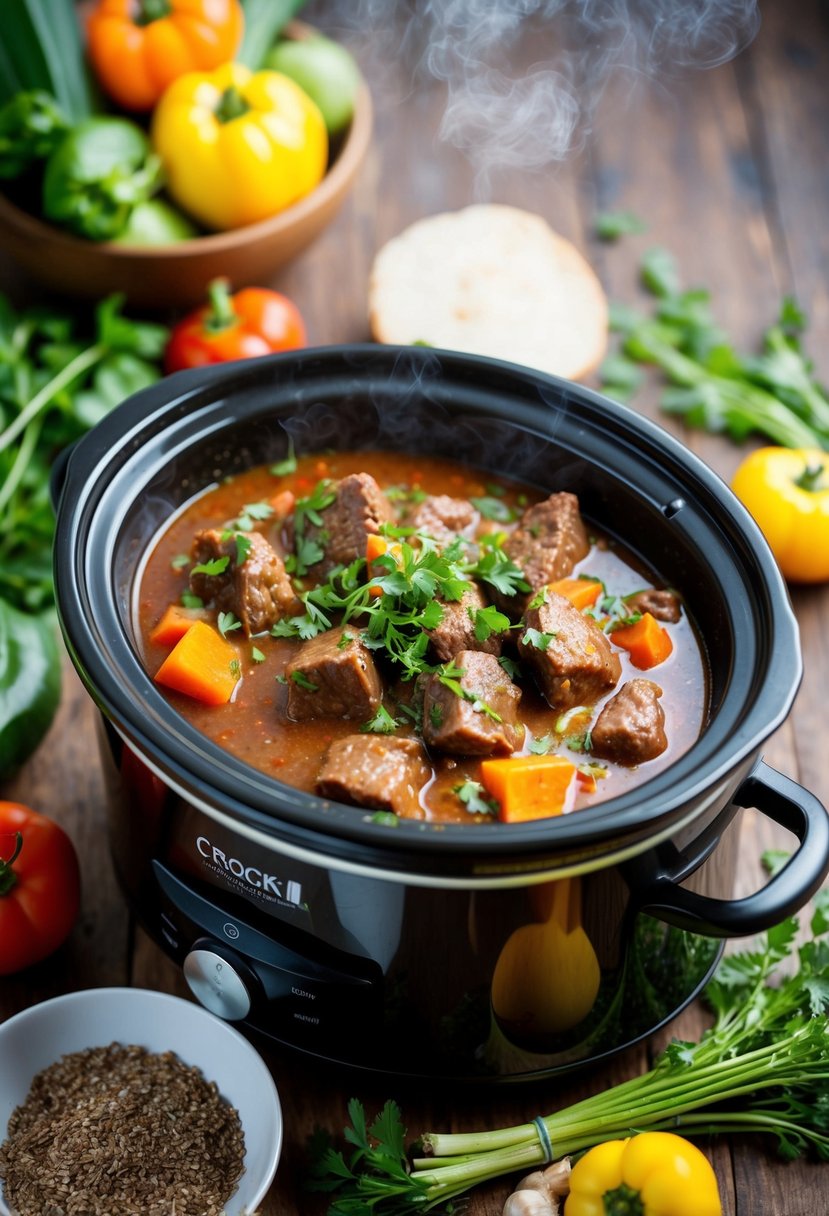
[96, 1017]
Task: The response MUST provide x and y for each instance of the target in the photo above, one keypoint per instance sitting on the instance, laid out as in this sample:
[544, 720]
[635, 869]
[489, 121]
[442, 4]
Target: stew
[415, 637]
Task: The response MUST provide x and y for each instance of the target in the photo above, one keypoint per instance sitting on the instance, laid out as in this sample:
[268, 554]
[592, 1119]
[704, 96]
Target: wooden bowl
[176, 275]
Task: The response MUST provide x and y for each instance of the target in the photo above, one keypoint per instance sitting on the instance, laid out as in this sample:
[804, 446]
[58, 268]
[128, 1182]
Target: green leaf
[488, 621]
[302, 681]
[264, 21]
[381, 724]
[473, 796]
[212, 568]
[227, 622]
[536, 638]
[119, 333]
[620, 374]
[659, 272]
[542, 745]
[610, 225]
[491, 507]
[41, 48]
[283, 468]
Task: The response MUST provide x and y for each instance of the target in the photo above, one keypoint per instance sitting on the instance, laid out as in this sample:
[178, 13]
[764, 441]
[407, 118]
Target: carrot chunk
[528, 787]
[201, 664]
[581, 592]
[174, 624]
[646, 641]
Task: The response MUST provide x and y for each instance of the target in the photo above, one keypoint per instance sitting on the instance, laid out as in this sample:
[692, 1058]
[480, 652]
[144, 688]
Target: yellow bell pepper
[787, 492]
[237, 146]
[652, 1174]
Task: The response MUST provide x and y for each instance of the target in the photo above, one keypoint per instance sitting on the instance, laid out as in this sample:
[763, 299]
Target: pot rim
[156, 424]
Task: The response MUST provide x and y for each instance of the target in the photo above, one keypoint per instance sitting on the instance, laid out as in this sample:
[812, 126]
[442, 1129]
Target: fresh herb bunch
[773, 394]
[763, 1066]
[54, 385]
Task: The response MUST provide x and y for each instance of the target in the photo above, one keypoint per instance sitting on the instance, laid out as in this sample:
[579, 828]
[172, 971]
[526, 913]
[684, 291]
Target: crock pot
[375, 945]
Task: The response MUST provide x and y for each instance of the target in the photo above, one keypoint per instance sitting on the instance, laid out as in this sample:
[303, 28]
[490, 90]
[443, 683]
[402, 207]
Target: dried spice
[120, 1129]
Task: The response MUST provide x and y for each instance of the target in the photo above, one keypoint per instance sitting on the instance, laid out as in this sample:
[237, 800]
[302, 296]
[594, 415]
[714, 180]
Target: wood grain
[730, 169]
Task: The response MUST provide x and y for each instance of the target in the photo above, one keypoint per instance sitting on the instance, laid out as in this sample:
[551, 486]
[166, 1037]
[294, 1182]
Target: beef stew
[396, 621]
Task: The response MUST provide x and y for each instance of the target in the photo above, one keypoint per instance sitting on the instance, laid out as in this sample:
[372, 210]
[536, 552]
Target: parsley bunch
[715, 387]
[763, 1066]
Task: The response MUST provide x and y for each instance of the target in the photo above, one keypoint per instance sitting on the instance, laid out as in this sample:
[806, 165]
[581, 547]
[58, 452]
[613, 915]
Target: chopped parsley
[235, 668]
[541, 597]
[256, 655]
[381, 724]
[488, 621]
[212, 568]
[251, 513]
[537, 639]
[309, 551]
[227, 622]
[243, 544]
[510, 667]
[302, 681]
[579, 743]
[189, 600]
[542, 746]
[496, 568]
[449, 675]
[493, 508]
[473, 796]
[180, 561]
[436, 715]
[283, 467]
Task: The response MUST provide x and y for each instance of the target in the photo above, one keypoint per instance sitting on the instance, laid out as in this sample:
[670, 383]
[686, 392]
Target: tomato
[39, 887]
[253, 322]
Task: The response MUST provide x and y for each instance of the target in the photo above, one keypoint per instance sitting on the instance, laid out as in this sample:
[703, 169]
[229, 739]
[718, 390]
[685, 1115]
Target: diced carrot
[378, 546]
[202, 664]
[528, 787]
[646, 641]
[581, 592]
[587, 781]
[174, 624]
[282, 504]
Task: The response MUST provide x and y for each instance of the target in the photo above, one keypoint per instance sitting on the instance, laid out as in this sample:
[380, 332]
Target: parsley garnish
[302, 681]
[471, 794]
[235, 668]
[256, 655]
[382, 723]
[541, 597]
[510, 667]
[493, 508]
[180, 561]
[450, 677]
[495, 567]
[243, 544]
[283, 467]
[488, 621]
[250, 514]
[436, 715]
[307, 552]
[188, 600]
[214, 567]
[537, 639]
[227, 622]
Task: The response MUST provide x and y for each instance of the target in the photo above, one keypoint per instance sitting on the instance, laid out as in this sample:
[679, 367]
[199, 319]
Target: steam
[501, 119]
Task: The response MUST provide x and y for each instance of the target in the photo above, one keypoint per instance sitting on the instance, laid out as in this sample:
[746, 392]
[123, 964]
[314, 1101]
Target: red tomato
[254, 321]
[39, 887]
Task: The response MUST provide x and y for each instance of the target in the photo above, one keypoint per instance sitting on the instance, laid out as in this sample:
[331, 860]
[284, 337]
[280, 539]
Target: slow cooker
[374, 944]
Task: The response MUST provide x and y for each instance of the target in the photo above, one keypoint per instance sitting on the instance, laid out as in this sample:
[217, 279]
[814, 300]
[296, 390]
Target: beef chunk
[460, 724]
[631, 727]
[573, 662]
[662, 604]
[358, 509]
[456, 630]
[257, 590]
[443, 518]
[333, 676]
[379, 771]
[549, 540]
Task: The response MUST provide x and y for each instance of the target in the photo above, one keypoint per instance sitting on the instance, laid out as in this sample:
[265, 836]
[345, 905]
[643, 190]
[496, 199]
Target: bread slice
[491, 280]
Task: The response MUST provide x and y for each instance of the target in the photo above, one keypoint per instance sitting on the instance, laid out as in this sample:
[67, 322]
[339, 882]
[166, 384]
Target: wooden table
[730, 169]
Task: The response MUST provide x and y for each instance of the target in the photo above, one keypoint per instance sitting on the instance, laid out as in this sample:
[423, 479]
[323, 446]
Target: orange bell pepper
[138, 47]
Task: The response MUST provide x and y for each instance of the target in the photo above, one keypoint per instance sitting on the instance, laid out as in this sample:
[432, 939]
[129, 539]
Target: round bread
[491, 280]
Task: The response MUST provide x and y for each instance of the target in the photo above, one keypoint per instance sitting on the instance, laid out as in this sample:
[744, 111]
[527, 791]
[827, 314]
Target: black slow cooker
[374, 944]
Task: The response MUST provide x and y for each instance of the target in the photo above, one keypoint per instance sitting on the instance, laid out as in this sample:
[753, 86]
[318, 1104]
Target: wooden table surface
[730, 170]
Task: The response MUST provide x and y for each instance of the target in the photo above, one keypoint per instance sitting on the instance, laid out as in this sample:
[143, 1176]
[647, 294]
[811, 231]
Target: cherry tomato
[255, 321]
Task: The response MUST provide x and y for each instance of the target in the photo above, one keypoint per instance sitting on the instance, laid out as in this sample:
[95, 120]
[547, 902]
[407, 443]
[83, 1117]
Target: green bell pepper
[101, 170]
[29, 683]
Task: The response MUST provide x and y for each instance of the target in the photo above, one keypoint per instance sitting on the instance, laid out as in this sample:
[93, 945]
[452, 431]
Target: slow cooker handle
[794, 808]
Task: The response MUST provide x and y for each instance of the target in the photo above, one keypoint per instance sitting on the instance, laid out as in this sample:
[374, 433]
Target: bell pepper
[254, 321]
[99, 171]
[29, 683]
[787, 492]
[138, 47]
[237, 146]
[652, 1174]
